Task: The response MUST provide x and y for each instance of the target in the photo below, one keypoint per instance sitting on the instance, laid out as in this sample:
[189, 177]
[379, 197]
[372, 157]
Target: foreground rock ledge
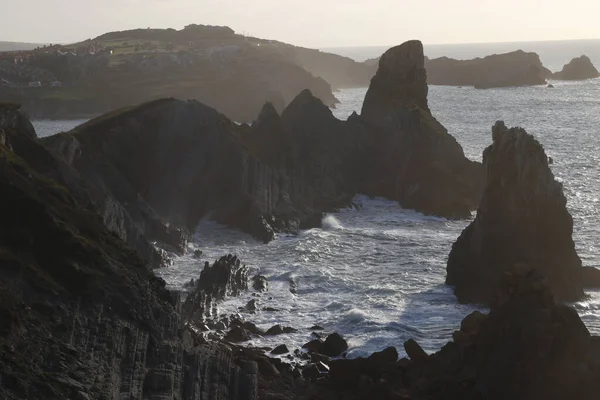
[522, 218]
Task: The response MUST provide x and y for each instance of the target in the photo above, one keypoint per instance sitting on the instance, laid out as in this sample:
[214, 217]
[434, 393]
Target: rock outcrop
[179, 161]
[577, 69]
[517, 68]
[522, 219]
[415, 160]
[20, 137]
[82, 317]
[527, 347]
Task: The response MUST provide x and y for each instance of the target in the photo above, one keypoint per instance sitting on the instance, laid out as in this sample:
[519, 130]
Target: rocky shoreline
[86, 215]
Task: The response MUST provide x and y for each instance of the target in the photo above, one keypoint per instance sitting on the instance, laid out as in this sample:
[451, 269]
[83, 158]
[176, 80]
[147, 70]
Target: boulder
[413, 158]
[522, 219]
[415, 351]
[260, 283]
[281, 349]
[278, 330]
[577, 69]
[314, 346]
[237, 335]
[334, 345]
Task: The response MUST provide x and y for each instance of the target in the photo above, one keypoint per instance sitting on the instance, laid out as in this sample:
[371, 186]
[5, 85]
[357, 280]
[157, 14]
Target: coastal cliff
[143, 236]
[82, 317]
[522, 219]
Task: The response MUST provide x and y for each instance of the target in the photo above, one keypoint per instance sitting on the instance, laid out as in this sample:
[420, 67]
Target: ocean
[554, 54]
[376, 274]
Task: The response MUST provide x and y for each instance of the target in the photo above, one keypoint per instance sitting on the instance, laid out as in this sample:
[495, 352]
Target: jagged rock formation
[577, 69]
[82, 317]
[417, 161]
[517, 68]
[21, 138]
[522, 219]
[226, 277]
[180, 161]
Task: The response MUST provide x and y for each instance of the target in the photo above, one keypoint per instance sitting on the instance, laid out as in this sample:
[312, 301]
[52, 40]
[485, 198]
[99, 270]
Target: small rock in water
[281, 349]
[293, 286]
[316, 328]
[197, 253]
[334, 345]
[278, 330]
[260, 283]
[271, 309]
[251, 306]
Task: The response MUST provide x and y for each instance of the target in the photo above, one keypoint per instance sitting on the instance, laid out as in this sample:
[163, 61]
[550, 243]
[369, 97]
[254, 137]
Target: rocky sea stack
[522, 220]
[577, 69]
[417, 161]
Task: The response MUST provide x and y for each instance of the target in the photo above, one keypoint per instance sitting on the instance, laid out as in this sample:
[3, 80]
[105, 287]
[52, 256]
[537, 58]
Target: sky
[311, 23]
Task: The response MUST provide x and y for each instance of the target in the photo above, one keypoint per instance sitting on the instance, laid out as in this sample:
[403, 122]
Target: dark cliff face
[81, 316]
[21, 139]
[577, 69]
[522, 219]
[181, 161]
[418, 162]
[517, 68]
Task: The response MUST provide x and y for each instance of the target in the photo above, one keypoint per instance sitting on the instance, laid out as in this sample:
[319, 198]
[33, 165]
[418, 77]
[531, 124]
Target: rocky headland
[517, 68]
[232, 73]
[522, 220]
[577, 69]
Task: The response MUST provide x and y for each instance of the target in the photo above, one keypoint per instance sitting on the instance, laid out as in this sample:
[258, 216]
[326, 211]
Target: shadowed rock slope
[81, 316]
[19, 135]
[577, 69]
[418, 163]
[522, 219]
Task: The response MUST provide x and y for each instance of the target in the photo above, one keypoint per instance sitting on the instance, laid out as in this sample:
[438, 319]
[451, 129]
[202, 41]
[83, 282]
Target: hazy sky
[316, 23]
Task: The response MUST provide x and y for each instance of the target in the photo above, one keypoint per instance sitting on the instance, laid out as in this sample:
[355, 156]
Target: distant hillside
[15, 46]
[232, 73]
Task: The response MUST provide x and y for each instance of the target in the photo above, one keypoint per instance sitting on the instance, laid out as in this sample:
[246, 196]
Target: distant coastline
[554, 54]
